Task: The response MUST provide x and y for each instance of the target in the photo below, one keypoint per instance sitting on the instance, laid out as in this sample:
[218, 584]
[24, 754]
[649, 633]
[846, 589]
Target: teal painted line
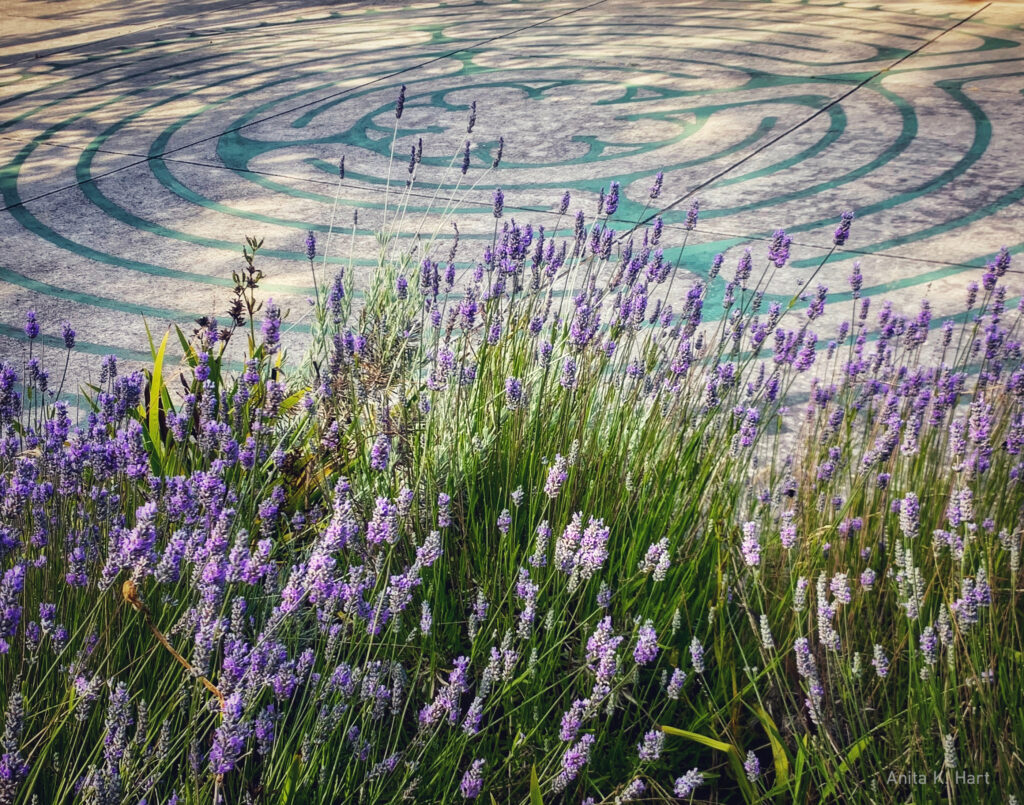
[982, 138]
[92, 300]
[236, 151]
[88, 347]
[14, 278]
[906, 136]
[960, 66]
[9, 191]
[837, 127]
[237, 154]
[763, 128]
[32, 224]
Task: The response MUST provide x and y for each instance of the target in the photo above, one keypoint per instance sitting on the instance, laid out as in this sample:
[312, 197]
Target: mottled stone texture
[140, 143]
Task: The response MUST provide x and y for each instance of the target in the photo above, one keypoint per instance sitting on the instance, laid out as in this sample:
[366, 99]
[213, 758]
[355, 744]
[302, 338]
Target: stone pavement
[140, 142]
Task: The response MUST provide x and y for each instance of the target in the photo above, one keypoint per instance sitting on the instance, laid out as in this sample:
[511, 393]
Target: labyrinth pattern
[130, 173]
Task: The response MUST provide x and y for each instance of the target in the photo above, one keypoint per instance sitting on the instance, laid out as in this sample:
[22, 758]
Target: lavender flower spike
[400, 106]
[646, 644]
[842, 232]
[272, 327]
[611, 202]
[691, 216]
[697, 655]
[465, 158]
[656, 187]
[473, 780]
[499, 203]
[688, 783]
[752, 766]
[650, 748]
[557, 476]
[68, 335]
[751, 547]
[380, 453]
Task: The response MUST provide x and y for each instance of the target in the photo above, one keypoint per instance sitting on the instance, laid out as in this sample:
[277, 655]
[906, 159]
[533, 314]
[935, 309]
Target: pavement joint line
[338, 94]
[805, 121]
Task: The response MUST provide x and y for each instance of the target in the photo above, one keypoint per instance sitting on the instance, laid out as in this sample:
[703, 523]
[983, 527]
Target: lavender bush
[495, 541]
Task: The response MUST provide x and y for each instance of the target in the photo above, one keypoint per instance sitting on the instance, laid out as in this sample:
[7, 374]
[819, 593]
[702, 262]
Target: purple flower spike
[465, 158]
[856, 280]
[501, 150]
[656, 187]
[646, 644]
[716, 266]
[68, 334]
[691, 216]
[611, 202]
[12, 765]
[31, 325]
[229, 738]
[473, 780]
[400, 106]
[751, 547]
[564, 206]
[650, 748]
[513, 392]
[688, 783]
[633, 791]
[573, 761]
[910, 513]
[697, 655]
[557, 476]
[310, 245]
[752, 766]
[880, 661]
[1002, 263]
[499, 203]
[272, 327]
[380, 453]
[778, 250]
[842, 232]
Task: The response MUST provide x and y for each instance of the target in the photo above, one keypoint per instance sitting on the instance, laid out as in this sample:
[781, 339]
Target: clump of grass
[522, 530]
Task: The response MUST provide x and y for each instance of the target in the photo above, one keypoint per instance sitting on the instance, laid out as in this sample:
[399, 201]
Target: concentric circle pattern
[132, 168]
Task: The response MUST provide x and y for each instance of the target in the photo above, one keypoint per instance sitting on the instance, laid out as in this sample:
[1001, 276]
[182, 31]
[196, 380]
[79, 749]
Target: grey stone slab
[144, 146]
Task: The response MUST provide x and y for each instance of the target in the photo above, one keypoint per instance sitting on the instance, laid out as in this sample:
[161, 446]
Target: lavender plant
[521, 531]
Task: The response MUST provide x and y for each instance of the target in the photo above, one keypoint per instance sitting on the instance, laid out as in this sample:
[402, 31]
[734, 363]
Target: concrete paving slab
[139, 144]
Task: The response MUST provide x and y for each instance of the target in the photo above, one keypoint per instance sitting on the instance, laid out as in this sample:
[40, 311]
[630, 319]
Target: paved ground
[140, 142]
